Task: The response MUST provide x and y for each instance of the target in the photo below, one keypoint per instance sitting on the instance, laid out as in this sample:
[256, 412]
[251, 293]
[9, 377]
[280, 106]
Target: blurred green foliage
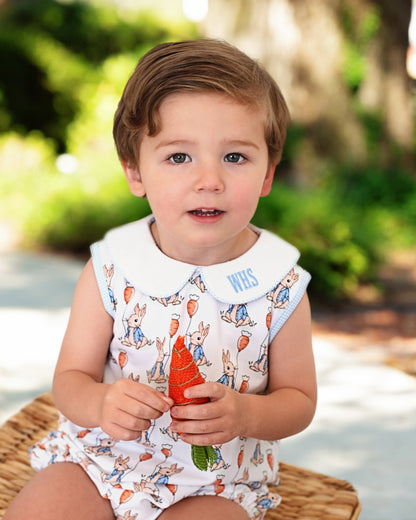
[359, 34]
[65, 65]
[52, 51]
[61, 212]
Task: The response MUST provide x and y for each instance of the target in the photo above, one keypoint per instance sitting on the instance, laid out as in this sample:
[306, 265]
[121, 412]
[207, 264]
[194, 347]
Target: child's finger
[195, 412]
[212, 391]
[131, 423]
[149, 396]
[121, 433]
[140, 409]
[201, 433]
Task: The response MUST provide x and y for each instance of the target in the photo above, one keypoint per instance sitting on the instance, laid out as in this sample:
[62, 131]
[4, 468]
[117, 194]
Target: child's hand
[216, 422]
[127, 407]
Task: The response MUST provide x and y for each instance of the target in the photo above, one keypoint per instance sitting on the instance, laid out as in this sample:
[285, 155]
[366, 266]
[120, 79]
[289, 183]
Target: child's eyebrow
[174, 142]
[227, 142]
[241, 142]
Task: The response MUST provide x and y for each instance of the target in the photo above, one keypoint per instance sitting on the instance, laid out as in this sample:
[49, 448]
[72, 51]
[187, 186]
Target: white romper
[228, 314]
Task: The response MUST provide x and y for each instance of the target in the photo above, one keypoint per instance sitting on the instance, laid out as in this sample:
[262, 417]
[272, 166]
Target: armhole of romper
[281, 317]
[98, 265]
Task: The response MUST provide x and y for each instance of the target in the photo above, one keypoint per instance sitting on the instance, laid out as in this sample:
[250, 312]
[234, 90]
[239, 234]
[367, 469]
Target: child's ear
[268, 180]
[134, 180]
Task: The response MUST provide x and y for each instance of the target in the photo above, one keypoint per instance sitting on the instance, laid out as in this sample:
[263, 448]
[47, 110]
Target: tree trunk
[336, 62]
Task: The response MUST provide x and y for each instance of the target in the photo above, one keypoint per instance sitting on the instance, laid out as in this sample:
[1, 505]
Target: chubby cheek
[165, 203]
[246, 200]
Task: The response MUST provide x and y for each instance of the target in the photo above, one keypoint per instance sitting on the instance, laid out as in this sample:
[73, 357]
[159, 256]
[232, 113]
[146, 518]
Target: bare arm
[286, 409]
[290, 403]
[83, 353]
[122, 409]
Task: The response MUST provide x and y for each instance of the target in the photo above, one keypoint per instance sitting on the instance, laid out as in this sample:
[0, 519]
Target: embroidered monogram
[243, 280]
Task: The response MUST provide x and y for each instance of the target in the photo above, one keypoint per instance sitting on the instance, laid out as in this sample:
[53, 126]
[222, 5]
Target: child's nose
[209, 178]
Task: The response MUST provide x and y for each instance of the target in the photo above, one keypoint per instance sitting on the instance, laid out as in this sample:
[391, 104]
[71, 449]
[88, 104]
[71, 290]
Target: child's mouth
[201, 212]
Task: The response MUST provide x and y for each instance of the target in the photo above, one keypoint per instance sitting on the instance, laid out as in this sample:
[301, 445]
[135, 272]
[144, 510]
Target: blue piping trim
[101, 281]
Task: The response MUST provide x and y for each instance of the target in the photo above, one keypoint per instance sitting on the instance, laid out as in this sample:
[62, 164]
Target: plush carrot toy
[183, 374]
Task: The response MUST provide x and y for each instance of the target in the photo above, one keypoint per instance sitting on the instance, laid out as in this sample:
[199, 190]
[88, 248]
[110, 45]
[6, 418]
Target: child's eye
[234, 157]
[179, 158]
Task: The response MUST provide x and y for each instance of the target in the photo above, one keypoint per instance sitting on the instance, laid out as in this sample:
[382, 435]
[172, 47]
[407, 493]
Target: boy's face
[203, 174]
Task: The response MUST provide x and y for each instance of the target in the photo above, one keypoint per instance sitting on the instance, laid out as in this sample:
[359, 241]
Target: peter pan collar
[241, 280]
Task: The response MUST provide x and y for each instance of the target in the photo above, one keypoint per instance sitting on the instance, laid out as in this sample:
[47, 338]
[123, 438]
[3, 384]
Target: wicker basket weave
[305, 495]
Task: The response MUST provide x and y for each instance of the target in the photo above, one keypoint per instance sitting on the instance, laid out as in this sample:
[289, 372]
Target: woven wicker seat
[305, 495]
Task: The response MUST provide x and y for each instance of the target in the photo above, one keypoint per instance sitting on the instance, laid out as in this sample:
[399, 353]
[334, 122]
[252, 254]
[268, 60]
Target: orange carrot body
[174, 325]
[270, 460]
[122, 359]
[244, 385]
[243, 341]
[126, 495]
[184, 373]
[268, 320]
[192, 306]
[128, 293]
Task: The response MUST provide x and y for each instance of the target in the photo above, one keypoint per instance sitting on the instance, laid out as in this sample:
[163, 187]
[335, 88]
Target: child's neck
[203, 256]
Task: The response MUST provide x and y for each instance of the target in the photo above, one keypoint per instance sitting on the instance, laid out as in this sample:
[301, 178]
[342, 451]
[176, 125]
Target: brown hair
[199, 65]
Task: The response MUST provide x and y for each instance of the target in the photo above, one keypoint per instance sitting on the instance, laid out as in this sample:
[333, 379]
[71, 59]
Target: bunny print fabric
[228, 314]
